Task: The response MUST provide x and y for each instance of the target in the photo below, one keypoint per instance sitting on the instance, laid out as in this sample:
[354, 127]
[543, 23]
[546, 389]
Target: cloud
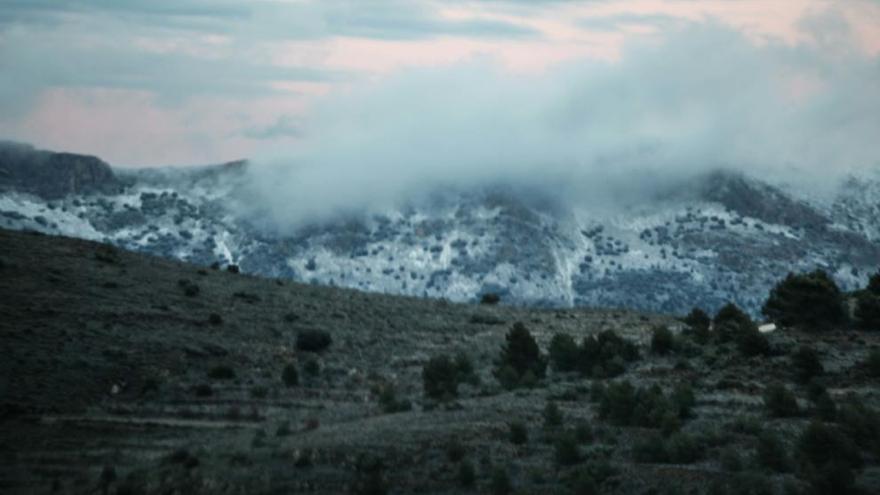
[618, 21]
[595, 133]
[284, 126]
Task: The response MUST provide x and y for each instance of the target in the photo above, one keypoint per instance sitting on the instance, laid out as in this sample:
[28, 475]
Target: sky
[182, 82]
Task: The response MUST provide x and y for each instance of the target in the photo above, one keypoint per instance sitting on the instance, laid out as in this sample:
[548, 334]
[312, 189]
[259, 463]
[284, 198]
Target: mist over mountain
[702, 241]
[592, 134]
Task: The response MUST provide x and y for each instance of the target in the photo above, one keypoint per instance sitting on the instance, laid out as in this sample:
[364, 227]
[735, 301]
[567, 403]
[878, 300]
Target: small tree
[867, 311]
[521, 354]
[698, 320]
[780, 402]
[806, 364]
[519, 434]
[564, 352]
[290, 375]
[810, 301]
[440, 377]
[874, 284]
[662, 340]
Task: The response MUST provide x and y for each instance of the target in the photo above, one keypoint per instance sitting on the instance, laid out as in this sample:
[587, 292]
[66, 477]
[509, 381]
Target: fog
[600, 134]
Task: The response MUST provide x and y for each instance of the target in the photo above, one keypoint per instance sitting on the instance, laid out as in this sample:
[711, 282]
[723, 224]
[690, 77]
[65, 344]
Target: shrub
[605, 355]
[867, 311]
[806, 364]
[684, 448]
[311, 367]
[190, 289]
[313, 340]
[389, 401]
[872, 363]
[820, 445]
[861, 424]
[500, 483]
[567, 450]
[521, 354]
[835, 477]
[467, 476]
[519, 434]
[584, 484]
[684, 400]
[874, 284]
[823, 404]
[221, 372]
[730, 313]
[780, 402]
[699, 323]
[650, 448]
[730, 460]
[233, 269]
[203, 390]
[771, 453]
[440, 378]
[290, 376]
[215, 319]
[370, 477]
[662, 340]
[752, 342]
[811, 301]
[490, 298]
[259, 392]
[552, 416]
[455, 451]
[564, 352]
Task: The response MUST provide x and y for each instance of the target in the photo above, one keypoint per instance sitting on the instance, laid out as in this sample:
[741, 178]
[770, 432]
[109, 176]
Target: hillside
[700, 241]
[133, 374]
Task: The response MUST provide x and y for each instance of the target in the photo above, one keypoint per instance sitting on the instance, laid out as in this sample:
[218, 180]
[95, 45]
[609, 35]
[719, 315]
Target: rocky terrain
[127, 373]
[708, 240]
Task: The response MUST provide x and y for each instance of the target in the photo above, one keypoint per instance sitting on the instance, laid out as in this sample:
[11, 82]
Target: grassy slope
[103, 351]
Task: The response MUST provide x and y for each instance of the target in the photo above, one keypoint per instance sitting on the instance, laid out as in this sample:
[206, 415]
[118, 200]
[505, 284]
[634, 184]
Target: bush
[771, 453]
[874, 284]
[221, 372]
[519, 434]
[605, 355]
[313, 340]
[190, 289]
[490, 298]
[455, 451]
[564, 353]
[552, 416]
[521, 354]
[861, 424]
[370, 477]
[811, 301]
[662, 341]
[215, 319]
[390, 403]
[730, 460]
[290, 376]
[440, 378]
[730, 313]
[867, 311]
[500, 484]
[684, 448]
[872, 363]
[780, 402]
[684, 400]
[806, 364]
[467, 476]
[820, 445]
[567, 451]
[752, 342]
[699, 323]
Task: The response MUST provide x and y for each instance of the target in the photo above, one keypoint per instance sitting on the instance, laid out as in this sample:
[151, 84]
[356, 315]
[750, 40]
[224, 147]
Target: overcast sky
[156, 82]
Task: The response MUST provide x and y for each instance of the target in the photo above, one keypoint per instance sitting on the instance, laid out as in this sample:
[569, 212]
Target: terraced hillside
[125, 373]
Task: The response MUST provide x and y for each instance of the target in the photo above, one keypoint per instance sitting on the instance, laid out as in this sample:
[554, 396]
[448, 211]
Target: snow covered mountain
[714, 238]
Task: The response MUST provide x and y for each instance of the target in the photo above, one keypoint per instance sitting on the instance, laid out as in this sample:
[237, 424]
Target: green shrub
[650, 448]
[259, 392]
[519, 434]
[698, 323]
[874, 284]
[552, 415]
[662, 340]
[567, 450]
[389, 402]
[311, 367]
[823, 405]
[861, 424]
[771, 453]
[221, 372]
[605, 355]
[730, 313]
[455, 451]
[521, 354]
[290, 375]
[584, 484]
[810, 301]
[684, 400]
[820, 444]
[564, 353]
[730, 460]
[752, 342]
[684, 448]
[867, 310]
[500, 483]
[467, 476]
[872, 363]
[836, 478]
[440, 378]
[780, 402]
[806, 364]
[490, 298]
[313, 340]
[369, 477]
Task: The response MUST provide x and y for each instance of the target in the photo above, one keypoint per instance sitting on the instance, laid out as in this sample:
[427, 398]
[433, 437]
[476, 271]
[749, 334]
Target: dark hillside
[125, 373]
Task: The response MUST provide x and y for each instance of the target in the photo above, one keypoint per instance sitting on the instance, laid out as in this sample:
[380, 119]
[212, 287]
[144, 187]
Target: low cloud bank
[601, 134]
